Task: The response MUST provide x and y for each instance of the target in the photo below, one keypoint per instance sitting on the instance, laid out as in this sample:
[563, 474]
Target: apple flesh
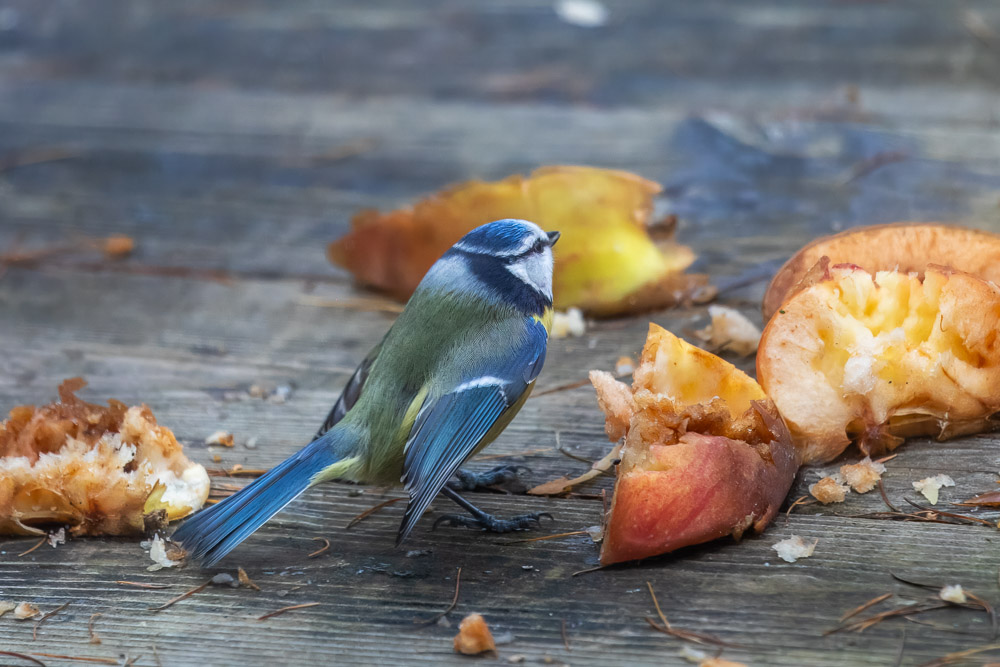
[705, 453]
[906, 247]
[876, 358]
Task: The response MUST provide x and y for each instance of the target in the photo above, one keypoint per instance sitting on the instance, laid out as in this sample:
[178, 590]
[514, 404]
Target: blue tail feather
[215, 531]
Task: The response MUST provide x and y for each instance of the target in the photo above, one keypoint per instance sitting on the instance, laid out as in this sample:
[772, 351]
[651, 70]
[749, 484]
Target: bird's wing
[449, 429]
[350, 394]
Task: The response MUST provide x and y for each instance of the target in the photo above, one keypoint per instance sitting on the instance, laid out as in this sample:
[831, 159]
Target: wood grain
[234, 142]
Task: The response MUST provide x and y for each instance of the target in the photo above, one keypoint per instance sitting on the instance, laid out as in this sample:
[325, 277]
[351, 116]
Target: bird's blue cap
[506, 238]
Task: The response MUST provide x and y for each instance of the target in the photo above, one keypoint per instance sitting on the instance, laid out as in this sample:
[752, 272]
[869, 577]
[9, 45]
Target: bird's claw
[504, 475]
[492, 524]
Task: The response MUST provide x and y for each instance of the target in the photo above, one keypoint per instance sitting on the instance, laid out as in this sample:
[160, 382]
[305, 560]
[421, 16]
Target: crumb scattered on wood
[568, 324]
[794, 548]
[953, 593]
[7, 605]
[223, 438]
[830, 489]
[729, 330]
[25, 610]
[929, 487]
[246, 580]
[160, 554]
[625, 366]
[474, 636]
[304, 605]
[864, 475]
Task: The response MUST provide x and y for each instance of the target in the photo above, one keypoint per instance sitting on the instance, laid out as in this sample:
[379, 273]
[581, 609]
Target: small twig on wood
[865, 623]
[274, 613]
[565, 636]
[34, 630]
[572, 385]
[564, 484]
[368, 512]
[545, 537]
[902, 647]
[196, 589]
[960, 655]
[529, 452]
[78, 658]
[951, 515]
[237, 471]
[871, 603]
[803, 500]
[131, 661]
[245, 579]
[587, 571]
[139, 584]
[885, 498]
[687, 635]
[94, 637]
[40, 543]
[454, 603]
[23, 657]
[323, 549]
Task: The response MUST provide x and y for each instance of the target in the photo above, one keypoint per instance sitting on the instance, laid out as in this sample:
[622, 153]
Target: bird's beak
[553, 237]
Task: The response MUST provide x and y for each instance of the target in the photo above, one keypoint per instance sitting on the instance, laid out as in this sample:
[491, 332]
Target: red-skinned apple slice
[705, 454]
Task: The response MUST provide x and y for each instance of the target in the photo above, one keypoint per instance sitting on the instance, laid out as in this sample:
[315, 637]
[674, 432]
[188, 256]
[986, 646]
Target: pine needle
[454, 603]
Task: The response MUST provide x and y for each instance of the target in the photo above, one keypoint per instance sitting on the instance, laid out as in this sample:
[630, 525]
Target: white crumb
[730, 330]
[794, 548]
[6, 605]
[158, 553]
[57, 537]
[223, 438]
[692, 654]
[25, 610]
[929, 486]
[953, 594]
[570, 323]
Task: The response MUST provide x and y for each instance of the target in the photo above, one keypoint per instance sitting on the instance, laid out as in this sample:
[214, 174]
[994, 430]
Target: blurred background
[229, 142]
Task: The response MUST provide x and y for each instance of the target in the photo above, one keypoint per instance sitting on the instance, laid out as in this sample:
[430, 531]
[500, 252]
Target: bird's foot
[492, 524]
[505, 477]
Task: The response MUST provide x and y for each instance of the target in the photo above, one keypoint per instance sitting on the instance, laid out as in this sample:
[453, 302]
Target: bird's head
[511, 258]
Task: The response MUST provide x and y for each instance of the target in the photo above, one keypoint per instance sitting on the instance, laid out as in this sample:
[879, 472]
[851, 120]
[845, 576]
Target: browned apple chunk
[877, 358]
[705, 453]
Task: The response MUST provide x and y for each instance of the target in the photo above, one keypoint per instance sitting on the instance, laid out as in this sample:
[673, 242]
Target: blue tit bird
[446, 379]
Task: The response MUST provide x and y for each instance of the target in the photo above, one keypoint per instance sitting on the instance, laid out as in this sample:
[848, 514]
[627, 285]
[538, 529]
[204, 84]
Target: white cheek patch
[535, 271]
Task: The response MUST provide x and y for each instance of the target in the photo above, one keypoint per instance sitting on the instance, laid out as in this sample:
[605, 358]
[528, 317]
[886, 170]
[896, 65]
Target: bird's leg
[487, 522]
[504, 476]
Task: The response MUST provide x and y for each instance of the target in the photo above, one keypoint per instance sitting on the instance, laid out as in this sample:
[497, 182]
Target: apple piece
[902, 247]
[103, 470]
[877, 358]
[705, 452]
[610, 260]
